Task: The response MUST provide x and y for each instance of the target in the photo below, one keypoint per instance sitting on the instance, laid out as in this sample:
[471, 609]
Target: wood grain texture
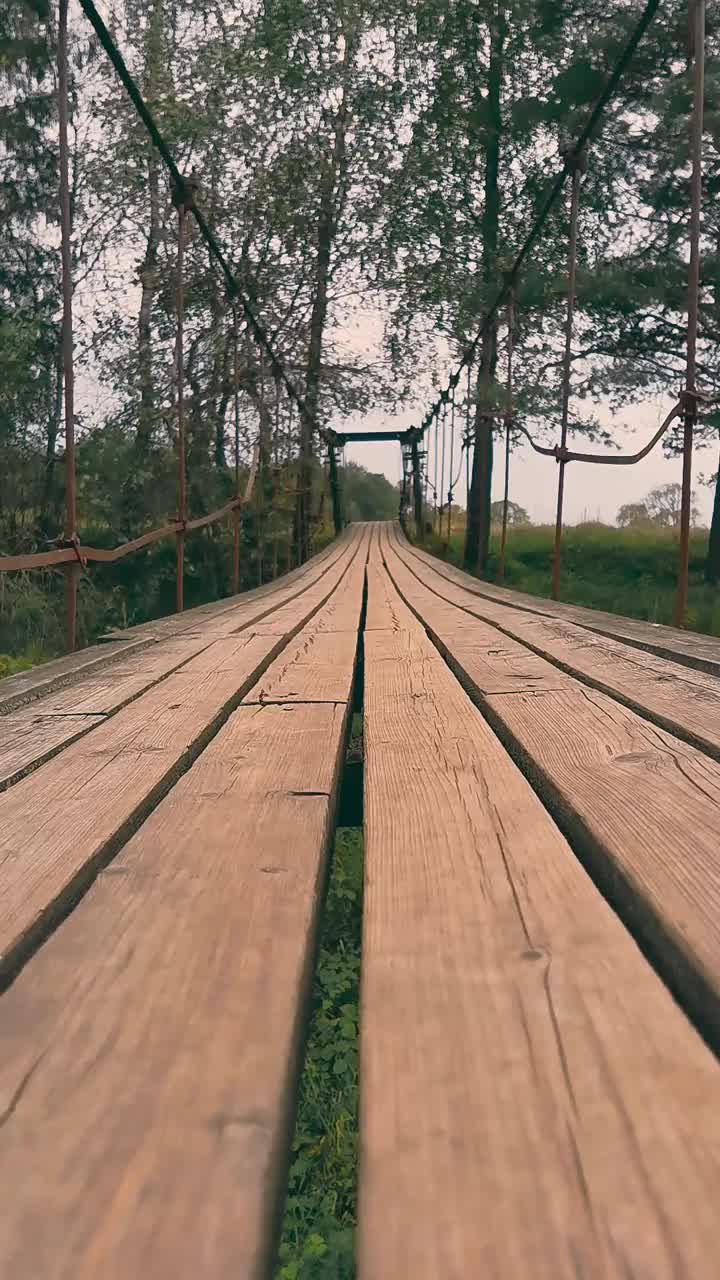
[26, 739]
[682, 700]
[68, 817]
[24, 686]
[686, 647]
[643, 807]
[318, 665]
[153, 1042]
[533, 1102]
[29, 742]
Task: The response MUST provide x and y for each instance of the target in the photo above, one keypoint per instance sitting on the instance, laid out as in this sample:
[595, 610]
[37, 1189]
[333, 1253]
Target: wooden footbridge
[540, 1011]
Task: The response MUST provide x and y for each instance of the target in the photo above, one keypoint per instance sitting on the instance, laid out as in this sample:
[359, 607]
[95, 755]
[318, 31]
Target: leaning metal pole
[690, 398]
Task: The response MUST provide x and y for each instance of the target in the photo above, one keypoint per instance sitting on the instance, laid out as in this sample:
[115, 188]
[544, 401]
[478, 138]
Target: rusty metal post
[289, 547]
[180, 380]
[690, 404]
[335, 490]
[426, 480]
[442, 471]
[417, 489]
[450, 467]
[508, 425]
[262, 463]
[276, 471]
[435, 479]
[72, 568]
[579, 165]
[236, 408]
[467, 440]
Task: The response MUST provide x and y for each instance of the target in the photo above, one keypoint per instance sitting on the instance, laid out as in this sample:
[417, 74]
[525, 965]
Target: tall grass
[626, 571]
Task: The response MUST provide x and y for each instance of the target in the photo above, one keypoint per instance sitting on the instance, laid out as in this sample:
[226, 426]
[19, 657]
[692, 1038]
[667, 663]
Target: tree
[634, 515]
[367, 496]
[517, 515]
[664, 505]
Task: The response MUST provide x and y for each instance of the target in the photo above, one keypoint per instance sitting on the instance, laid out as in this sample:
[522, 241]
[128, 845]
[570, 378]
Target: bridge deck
[541, 795]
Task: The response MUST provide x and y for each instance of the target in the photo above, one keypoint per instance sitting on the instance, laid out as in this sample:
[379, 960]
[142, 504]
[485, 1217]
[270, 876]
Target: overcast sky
[592, 492]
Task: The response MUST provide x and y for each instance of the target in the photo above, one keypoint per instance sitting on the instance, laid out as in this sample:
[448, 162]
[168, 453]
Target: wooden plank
[177, 623]
[151, 1047]
[533, 1102]
[683, 701]
[24, 686]
[30, 739]
[689, 648]
[642, 807]
[318, 666]
[66, 819]
[165, 1020]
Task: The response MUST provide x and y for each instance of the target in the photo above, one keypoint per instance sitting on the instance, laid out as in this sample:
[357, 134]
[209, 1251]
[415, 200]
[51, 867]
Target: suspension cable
[570, 157]
[184, 188]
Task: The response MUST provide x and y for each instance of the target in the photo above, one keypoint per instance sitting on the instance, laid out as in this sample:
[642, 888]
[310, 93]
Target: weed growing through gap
[319, 1224]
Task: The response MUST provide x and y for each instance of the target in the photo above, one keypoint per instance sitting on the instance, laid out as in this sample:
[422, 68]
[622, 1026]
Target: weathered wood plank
[533, 1102]
[318, 666]
[164, 1017]
[642, 807]
[26, 739]
[150, 1049]
[681, 700]
[21, 688]
[686, 647]
[29, 740]
[66, 819]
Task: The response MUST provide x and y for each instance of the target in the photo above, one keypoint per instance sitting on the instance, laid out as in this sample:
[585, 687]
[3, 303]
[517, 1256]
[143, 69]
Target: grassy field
[627, 571]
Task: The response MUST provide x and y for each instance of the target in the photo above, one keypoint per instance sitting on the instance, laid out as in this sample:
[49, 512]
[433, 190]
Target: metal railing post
[72, 567]
[579, 165]
[690, 403]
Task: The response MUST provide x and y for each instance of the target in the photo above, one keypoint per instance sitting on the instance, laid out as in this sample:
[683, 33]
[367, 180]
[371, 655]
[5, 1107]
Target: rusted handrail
[78, 552]
[557, 452]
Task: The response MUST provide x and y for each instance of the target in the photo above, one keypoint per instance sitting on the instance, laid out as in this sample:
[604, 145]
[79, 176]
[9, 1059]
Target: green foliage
[318, 1229]
[368, 496]
[516, 513]
[9, 666]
